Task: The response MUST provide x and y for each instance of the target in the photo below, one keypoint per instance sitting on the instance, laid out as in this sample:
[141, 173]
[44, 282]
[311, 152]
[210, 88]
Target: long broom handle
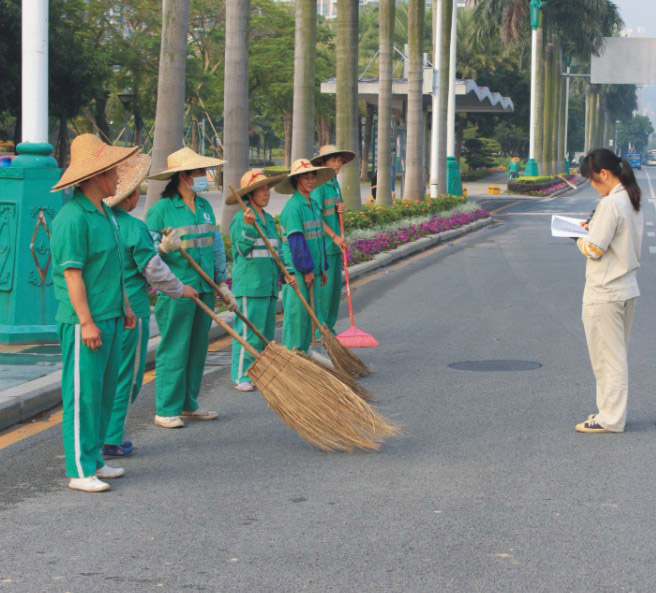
[346, 273]
[224, 298]
[227, 328]
[286, 274]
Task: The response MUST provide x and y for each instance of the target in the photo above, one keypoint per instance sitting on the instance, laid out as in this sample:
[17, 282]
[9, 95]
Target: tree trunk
[461, 124]
[386, 35]
[347, 98]
[561, 134]
[548, 109]
[62, 143]
[169, 117]
[539, 102]
[415, 188]
[445, 49]
[324, 130]
[304, 66]
[287, 124]
[555, 121]
[366, 142]
[235, 103]
[195, 141]
[588, 117]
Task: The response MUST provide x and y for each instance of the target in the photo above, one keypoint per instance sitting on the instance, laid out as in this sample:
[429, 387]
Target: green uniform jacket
[254, 271]
[327, 196]
[139, 249]
[303, 216]
[199, 235]
[84, 239]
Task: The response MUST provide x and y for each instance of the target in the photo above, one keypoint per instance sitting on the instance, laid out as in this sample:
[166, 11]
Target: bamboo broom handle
[217, 290]
[286, 274]
[226, 327]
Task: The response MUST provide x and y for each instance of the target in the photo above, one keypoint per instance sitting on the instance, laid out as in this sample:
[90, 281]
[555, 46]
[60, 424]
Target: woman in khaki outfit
[611, 287]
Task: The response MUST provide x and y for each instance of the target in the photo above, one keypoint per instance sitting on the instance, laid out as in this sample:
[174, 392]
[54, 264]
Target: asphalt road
[489, 490]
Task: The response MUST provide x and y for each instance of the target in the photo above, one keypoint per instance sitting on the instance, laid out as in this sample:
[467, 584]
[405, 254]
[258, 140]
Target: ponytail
[171, 189]
[602, 158]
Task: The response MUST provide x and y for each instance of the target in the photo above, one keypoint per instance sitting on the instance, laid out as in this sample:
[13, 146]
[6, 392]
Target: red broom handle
[227, 328]
[346, 273]
[285, 273]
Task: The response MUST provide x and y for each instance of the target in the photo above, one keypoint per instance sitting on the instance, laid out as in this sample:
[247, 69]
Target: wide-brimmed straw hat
[300, 167]
[186, 159]
[330, 150]
[252, 180]
[130, 175]
[90, 156]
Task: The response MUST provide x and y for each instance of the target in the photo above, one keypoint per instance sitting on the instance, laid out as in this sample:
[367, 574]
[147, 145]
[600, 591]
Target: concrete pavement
[489, 490]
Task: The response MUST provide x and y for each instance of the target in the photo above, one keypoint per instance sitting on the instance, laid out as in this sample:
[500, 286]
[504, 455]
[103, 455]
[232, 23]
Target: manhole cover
[495, 365]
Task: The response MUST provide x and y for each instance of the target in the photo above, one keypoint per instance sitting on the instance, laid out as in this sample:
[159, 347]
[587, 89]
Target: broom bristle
[316, 404]
[361, 391]
[356, 338]
[342, 357]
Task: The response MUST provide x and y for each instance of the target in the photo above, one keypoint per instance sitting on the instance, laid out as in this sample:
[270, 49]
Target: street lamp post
[27, 208]
[435, 123]
[126, 98]
[617, 148]
[569, 71]
[531, 164]
[453, 179]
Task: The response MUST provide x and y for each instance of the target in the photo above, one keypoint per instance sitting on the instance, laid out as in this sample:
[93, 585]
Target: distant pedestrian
[87, 252]
[611, 288]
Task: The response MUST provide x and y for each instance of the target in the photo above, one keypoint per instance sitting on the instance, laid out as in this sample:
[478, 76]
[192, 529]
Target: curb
[23, 402]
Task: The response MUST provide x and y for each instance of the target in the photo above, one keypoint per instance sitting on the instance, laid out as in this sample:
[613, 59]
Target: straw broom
[361, 391]
[342, 357]
[315, 404]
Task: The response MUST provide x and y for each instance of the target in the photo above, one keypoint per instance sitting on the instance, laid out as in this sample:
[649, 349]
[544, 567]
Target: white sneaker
[92, 484]
[109, 473]
[201, 414]
[169, 421]
[244, 386]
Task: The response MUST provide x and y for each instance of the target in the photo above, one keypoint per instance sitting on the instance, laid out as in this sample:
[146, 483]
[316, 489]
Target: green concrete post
[27, 209]
[453, 178]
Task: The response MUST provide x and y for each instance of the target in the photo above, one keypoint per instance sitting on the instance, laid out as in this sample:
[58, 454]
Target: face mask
[200, 184]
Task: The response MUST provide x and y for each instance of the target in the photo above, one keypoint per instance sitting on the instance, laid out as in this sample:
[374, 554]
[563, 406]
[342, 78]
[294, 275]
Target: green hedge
[269, 171]
[474, 174]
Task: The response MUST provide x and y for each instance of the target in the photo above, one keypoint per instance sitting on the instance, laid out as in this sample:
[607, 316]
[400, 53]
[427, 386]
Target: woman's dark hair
[602, 158]
[294, 181]
[171, 189]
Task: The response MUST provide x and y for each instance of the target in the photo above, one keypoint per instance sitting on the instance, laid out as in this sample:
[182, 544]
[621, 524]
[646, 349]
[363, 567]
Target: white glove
[227, 293]
[170, 242]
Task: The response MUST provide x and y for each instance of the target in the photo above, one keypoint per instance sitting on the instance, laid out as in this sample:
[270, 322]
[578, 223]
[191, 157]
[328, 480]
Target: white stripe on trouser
[135, 372]
[76, 403]
[244, 333]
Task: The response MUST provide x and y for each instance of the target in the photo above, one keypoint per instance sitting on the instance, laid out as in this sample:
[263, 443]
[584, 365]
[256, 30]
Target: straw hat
[331, 150]
[252, 180]
[130, 175]
[90, 156]
[300, 167]
[186, 159]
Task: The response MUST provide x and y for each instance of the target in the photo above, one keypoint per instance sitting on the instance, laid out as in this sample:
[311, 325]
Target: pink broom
[353, 337]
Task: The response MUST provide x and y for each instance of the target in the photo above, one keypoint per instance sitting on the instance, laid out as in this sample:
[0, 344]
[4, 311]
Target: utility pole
[531, 164]
[435, 123]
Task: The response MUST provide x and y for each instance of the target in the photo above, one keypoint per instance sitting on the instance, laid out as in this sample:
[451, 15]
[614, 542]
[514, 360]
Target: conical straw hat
[252, 180]
[91, 156]
[300, 167]
[329, 150]
[185, 159]
[130, 175]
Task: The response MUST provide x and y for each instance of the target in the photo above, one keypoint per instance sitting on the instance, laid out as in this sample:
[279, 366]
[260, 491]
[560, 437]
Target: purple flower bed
[362, 250]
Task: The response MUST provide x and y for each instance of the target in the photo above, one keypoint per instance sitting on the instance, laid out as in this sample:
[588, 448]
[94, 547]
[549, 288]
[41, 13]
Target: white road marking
[649, 223]
[651, 234]
[652, 250]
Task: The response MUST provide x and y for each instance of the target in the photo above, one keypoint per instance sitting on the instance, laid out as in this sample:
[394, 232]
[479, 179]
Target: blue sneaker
[126, 444]
[115, 451]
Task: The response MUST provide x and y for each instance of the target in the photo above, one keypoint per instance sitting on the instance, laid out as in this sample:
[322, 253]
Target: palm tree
[235, 102]
[415, 186]
[445, 49]
[305, 51]
[347, 98]
[385, 59]
[169, 115]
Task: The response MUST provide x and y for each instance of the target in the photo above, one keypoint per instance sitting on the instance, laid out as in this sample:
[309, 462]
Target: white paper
[563, 226]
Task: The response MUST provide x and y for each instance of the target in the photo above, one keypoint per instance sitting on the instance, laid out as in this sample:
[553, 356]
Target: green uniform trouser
[88, 386]
[261, 312]
[331, 293]
[296, 323]
[180, 359]
[134, 348]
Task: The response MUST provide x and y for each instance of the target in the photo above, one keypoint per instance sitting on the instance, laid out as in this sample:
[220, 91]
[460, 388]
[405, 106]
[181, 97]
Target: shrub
[269, 171]
[475, 174]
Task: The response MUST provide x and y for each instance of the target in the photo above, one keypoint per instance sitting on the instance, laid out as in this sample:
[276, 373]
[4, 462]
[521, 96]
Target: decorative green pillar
[531, 169]
[453, 178]
[27, 209]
